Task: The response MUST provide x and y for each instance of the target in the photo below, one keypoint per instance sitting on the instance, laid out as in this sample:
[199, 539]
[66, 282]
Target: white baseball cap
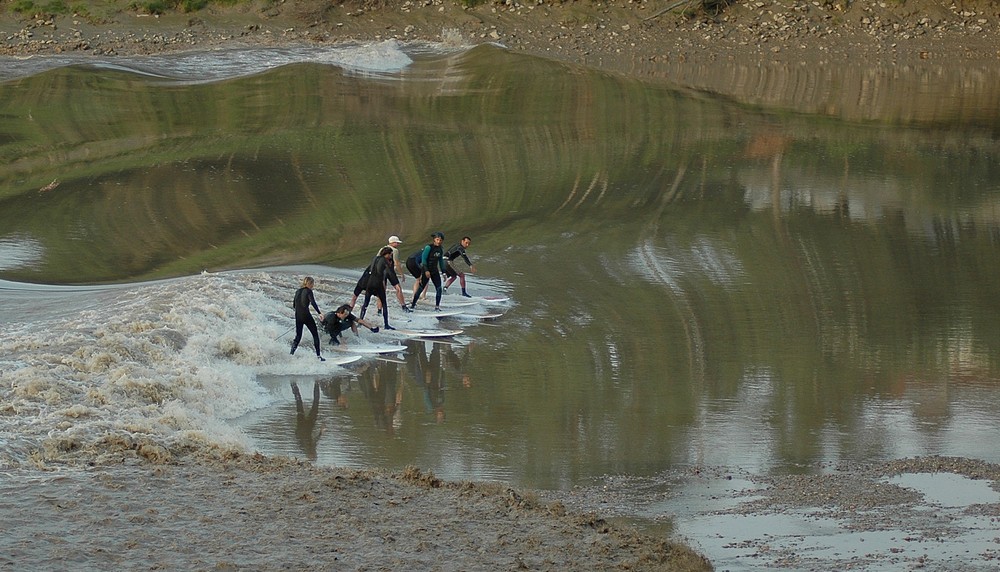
[394, 238]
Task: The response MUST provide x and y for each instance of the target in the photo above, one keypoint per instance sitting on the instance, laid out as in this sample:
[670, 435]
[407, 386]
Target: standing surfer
[453, 253]
[303, 317]
[427, 265]
[380, 270]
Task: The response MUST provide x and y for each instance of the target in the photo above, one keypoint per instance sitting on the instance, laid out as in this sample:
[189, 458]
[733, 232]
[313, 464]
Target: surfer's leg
[461, 280]
[364, 306]
[311, 324]
[437, 290]
[385, 307]
[298, 335]
[418, 288]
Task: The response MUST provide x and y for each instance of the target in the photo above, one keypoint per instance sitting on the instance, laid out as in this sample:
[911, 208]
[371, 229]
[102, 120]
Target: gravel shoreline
[614, 35]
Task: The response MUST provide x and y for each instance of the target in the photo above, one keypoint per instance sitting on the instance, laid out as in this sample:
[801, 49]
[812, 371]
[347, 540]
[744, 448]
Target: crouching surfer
[343, 320]
[303, 317]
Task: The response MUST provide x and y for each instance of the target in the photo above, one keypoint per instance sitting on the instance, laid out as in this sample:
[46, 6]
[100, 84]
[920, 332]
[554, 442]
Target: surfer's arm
[423, 258]
[312, 302]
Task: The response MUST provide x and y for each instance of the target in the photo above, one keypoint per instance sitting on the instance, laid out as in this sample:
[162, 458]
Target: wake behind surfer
[302, 302]
[426, 265]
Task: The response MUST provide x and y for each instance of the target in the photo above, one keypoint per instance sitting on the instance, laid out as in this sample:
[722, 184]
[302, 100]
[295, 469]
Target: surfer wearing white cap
[394, 243]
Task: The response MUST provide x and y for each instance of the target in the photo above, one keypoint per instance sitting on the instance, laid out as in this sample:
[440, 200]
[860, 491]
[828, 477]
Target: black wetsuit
[363, 281]
[380, 270]
[451, 254]
[334, 325]
[362, 284]
[432, 260]
[302, 301]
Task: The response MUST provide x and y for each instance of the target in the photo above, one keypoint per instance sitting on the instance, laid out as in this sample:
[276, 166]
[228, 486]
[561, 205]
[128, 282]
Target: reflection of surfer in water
[333, 390]
[305, 423]
[380, 388]
[429, 375]
[303, 317]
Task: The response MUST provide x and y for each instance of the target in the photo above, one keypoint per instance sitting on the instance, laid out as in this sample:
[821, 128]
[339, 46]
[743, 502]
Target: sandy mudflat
[254, 513]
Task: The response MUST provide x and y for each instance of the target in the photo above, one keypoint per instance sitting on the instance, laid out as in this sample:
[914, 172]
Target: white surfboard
[370, 348]
[490, 299]
[457, 301]
[427, 333]
[342, 360]
[498, 299]
[485, 316]
[443, 313]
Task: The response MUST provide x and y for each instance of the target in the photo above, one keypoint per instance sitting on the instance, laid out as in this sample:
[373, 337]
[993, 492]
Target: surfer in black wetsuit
[303, 317]
[452, 254]
[393, 245]
[426, 266]
[343, 320]
[381, 270]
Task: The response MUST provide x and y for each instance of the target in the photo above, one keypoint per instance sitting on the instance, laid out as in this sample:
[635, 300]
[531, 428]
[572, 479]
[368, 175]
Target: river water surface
[769, 285]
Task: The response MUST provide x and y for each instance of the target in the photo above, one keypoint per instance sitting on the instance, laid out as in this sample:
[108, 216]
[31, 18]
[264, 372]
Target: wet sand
[935, 514]
[236, 512]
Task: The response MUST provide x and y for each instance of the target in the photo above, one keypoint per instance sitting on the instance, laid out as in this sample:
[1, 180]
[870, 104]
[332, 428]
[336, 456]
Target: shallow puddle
[954, 527]
[948, 490]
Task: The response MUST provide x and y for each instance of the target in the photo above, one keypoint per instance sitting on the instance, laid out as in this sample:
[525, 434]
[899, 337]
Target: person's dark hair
[437, 235]
[344, 307]
[469, 238]
[385, 250]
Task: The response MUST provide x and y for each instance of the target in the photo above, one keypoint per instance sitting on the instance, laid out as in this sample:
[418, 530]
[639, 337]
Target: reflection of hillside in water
[305, 163]
[917, 94]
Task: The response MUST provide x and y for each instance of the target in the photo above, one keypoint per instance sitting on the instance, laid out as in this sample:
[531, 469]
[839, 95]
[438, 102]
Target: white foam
[169, 361]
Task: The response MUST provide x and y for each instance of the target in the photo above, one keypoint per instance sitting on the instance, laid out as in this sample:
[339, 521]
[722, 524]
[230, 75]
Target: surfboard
[488, 316]
[342, 360]
[493, 299]
[370, 348]
[443, 313]
[428, 333]
[457, 302]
